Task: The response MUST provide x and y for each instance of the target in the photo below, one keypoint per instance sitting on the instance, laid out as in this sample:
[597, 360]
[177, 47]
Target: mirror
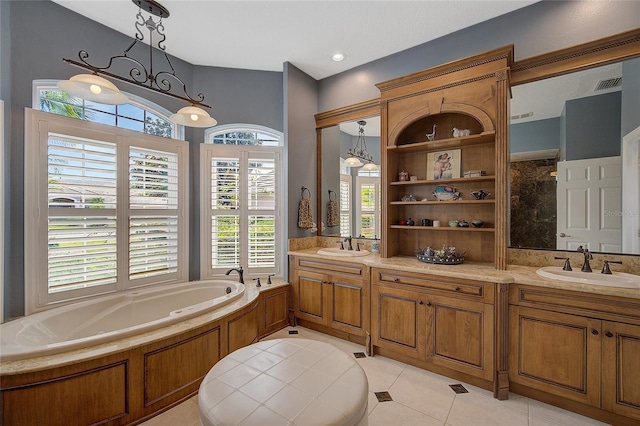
[570, 136]
[349, 197]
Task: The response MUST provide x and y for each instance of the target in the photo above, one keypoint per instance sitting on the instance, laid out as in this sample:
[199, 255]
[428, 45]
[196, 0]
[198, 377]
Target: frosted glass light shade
[94, 88]
[352, 162]
[193, 116]
[370, 166]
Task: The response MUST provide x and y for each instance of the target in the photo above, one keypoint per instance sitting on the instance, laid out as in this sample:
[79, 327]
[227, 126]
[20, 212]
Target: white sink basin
[335, 251]
[617, 279]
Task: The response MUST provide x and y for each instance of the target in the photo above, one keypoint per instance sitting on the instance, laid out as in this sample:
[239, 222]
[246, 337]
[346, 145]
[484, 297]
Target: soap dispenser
[375, 245]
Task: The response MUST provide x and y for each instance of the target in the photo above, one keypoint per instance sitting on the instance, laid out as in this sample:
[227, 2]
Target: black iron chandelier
[95, 88]
[359, 153]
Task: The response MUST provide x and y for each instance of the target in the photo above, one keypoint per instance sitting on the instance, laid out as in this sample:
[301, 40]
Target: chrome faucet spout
[240, 272]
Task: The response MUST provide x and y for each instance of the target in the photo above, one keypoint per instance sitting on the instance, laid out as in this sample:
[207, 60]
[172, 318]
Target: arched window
[139, 114]
[242, 200]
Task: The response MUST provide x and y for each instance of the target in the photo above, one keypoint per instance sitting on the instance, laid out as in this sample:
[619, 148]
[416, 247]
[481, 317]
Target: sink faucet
[348, 240]
[586, 267]
[240, 272]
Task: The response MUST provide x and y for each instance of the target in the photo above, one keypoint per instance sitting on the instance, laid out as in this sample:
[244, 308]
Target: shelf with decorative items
[446, 159]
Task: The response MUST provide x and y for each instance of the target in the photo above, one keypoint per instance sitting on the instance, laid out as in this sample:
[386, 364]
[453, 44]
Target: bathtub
[112, 317]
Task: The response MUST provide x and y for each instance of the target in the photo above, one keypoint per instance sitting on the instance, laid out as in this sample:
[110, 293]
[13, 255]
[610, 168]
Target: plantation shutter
[225, 214]
[153, 208]
[261, 184]
[81, 194]
[345, 205]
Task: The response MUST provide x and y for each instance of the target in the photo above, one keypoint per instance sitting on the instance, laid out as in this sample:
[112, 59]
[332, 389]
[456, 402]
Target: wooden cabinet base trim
[576, 407]
[454, 375]
[350, 337]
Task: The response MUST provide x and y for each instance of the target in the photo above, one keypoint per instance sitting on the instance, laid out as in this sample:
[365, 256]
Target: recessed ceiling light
[337, 57]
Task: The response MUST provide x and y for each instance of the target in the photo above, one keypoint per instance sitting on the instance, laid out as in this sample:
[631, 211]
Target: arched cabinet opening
[445, 170]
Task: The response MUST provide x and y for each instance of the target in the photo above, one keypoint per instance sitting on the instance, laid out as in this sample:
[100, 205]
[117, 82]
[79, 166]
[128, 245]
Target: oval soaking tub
[111, 317]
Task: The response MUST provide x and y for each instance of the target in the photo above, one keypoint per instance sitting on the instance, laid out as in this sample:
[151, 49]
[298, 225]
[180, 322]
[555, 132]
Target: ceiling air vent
[518, 116]
[608, 84]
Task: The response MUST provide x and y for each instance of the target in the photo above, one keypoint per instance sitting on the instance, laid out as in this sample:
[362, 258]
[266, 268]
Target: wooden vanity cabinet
[442, 322]
[574, 347]
[330, 293]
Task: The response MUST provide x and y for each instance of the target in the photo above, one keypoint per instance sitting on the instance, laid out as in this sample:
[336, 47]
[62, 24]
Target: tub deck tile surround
[132, 342]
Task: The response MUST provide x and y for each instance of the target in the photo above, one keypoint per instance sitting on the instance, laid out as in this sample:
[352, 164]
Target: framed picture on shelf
[443, 164]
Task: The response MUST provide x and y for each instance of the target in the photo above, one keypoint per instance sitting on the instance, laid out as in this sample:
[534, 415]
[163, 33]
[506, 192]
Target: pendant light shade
[352, 162]
[94, 88]
[370, 166]
[193, 116]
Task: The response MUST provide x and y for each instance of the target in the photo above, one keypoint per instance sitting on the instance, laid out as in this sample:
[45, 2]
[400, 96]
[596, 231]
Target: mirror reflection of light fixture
[359, 152]
[94, 87]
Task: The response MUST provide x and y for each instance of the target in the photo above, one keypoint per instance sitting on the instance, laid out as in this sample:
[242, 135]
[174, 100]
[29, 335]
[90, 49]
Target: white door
[590, 204]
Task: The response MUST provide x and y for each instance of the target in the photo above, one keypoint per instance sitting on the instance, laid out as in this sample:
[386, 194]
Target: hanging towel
[333, 219]
[305, 221]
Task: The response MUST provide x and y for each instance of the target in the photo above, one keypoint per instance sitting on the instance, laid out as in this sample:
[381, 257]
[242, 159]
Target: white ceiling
[263, 34]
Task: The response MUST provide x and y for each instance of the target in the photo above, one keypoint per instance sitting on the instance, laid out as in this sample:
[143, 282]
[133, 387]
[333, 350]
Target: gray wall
[301, 100]
[533, 30]
[593, 127]
[535, 135]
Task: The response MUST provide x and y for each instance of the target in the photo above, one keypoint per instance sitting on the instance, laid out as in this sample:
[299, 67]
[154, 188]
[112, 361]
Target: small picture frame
[443, 164]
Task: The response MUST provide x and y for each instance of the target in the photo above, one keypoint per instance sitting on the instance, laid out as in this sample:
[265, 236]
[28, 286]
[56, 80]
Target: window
[368, 203]
[113, 209]
[345, 205]
[241, 201]
[139, 115]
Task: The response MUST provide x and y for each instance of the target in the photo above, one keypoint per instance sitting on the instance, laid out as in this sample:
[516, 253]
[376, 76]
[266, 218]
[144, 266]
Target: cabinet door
[349, 305]
[460, 335]
[621, 369]
[398, 320]
[273, 310]
[309, 302]
[555, 353]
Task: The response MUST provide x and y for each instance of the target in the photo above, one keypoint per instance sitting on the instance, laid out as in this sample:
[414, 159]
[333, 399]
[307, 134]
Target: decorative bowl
[446, 193]
[477, 223]
[453, 223]
[463, 224]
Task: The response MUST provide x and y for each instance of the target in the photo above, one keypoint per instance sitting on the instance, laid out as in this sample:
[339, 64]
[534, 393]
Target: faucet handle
[341, 244]
[358, 246]
[567, 265]
[605, 267]
[269, 278]
[258, 284]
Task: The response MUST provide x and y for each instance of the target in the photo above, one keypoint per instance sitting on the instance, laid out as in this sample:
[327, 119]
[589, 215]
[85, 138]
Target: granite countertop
[515, 274]
[100, 350]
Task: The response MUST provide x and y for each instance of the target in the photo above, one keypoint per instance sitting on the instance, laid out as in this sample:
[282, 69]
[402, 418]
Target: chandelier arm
[140, 21]
[139, 74]
[106, 73]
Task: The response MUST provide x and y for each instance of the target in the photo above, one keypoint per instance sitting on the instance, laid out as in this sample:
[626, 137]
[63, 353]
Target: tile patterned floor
[419, 397]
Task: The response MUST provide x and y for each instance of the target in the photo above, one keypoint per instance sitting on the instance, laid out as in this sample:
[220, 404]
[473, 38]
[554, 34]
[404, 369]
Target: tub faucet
[240, 272]
[348, 240]
[586, 267]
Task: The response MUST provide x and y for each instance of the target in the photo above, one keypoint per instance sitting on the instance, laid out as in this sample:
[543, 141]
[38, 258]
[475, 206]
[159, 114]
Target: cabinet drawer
[329, 266]
[574, 302]
[475, 290]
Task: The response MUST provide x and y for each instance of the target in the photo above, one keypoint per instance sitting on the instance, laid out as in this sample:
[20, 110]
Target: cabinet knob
[428, 303]
[396, 279]
[608, 334]
[595, 332]
[457, 288]
[420, 302]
